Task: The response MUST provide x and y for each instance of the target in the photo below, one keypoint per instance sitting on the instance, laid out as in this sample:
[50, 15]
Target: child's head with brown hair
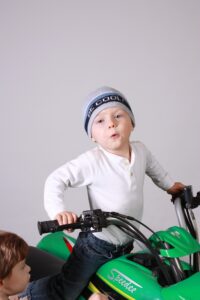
[14, 273]
[12, 250]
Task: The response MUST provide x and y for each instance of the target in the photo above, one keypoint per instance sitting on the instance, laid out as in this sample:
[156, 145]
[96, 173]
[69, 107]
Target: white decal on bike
[123, 280]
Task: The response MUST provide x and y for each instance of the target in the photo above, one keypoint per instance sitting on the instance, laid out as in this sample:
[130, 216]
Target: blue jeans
[88, 254]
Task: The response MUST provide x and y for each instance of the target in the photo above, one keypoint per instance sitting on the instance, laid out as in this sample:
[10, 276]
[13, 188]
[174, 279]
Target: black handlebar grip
[48, 226]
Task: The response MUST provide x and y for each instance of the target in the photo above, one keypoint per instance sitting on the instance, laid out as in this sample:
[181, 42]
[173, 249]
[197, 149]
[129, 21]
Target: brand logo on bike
[123, 280]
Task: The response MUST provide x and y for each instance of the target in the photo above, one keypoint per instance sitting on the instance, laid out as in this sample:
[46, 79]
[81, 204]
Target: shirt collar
[118, 158]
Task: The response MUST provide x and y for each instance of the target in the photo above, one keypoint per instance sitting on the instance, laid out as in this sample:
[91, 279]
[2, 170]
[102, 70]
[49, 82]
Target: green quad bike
[167, 267]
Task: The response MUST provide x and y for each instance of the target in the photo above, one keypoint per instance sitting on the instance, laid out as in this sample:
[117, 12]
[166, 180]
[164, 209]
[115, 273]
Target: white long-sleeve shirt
[113, 184]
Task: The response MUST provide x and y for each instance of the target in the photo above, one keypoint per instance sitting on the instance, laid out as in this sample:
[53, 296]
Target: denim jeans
[88, 254]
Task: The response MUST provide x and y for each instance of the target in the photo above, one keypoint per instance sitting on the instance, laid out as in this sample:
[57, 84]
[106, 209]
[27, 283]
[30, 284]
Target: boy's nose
[28, 268]
[112, 123]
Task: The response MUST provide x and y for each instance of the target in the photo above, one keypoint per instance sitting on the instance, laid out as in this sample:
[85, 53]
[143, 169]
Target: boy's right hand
[66, 217]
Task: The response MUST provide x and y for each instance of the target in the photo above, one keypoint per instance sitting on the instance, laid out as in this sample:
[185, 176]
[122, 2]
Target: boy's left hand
[176, 188]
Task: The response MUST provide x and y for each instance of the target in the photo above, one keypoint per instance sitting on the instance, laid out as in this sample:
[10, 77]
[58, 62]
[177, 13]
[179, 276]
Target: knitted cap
[100, 99]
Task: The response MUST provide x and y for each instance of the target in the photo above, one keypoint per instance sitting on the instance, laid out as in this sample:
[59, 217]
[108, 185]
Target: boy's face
[111, 129]
[17, 281]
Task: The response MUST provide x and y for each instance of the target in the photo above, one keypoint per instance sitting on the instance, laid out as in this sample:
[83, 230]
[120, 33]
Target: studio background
[53, 53]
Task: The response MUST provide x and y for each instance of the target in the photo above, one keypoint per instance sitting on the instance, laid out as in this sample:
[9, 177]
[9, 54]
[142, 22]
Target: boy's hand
[66, 217]
[176, 188]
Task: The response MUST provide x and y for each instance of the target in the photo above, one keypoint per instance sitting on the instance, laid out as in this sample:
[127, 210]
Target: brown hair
[13, 249]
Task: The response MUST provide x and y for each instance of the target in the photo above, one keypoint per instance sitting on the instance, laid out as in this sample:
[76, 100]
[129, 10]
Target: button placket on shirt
[127, 166]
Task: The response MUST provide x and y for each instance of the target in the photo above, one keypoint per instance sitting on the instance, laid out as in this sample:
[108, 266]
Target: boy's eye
[118, 116]
[100, 121]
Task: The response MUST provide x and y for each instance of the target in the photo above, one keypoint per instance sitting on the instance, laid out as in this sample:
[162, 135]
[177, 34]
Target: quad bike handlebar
[95, 220]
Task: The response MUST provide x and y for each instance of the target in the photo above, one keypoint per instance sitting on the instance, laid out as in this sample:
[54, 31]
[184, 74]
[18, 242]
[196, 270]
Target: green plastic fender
[58, 244]
[188, 289]
[130, 280]
[181, 241]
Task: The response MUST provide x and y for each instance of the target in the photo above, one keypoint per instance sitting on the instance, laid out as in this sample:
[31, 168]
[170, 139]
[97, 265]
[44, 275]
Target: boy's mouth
[114, 135]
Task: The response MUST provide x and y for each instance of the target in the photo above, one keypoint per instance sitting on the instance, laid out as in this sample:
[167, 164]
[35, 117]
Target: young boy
[113, 173]
[15, 273]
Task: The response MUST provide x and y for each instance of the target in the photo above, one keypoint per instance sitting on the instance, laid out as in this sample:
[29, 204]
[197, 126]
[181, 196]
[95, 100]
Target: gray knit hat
[101, 99]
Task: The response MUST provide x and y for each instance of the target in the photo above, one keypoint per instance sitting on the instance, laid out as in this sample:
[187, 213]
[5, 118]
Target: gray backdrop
[53, 53]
